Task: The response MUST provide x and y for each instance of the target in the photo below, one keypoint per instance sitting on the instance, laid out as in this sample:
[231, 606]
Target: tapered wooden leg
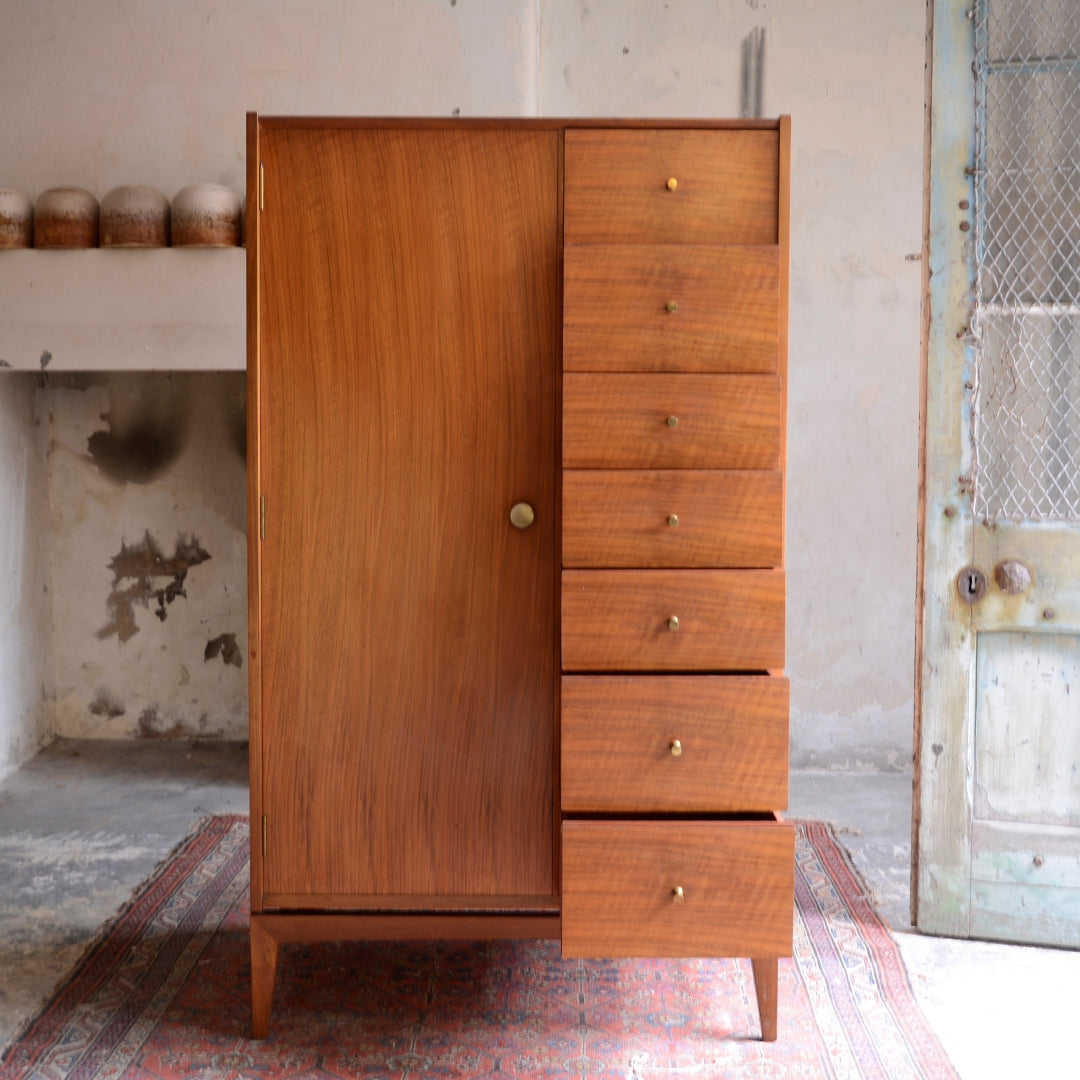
[766, 977]
[264, 960]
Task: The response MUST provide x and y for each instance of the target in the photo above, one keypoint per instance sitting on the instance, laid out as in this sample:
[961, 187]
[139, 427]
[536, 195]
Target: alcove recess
[97, 346]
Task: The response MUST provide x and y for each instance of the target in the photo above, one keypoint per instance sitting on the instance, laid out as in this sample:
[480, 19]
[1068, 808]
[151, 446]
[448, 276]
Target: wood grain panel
[617, 620]
[254, 489]
[407, 376]
[617, 187]
[671, 518]
[623, 421]
[618, 732]
[618, 879]
[616, 317]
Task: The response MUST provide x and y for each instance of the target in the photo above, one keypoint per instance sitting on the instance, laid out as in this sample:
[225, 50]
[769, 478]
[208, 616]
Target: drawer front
[726, 189]
[622, 620]
[671, 421]
[674, 744]
[619, 880]
[672, 518]
[668, 308]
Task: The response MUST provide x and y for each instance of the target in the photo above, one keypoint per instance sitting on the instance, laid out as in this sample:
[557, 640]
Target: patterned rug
[163, 993]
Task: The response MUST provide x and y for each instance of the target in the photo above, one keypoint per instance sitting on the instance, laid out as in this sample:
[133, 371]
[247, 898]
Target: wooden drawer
[618, 880]
[619, 735]
[672, 518]
[661, 307]
[625, 421]
[726, 187]
[618, 620]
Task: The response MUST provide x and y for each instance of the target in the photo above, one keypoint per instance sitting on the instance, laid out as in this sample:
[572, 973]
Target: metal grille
[1026, 321]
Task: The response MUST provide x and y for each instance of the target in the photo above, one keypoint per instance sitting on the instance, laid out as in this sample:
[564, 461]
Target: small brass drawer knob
[673, 622]
[521, 515]
[672, 307]
[672, 184]
[676, 748]
[677, 896]
[673, 520]
[672, 421]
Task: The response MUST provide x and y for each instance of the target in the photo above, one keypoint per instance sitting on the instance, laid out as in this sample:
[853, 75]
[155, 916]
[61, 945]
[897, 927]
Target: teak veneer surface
[726, 187]
[617, 620]
[621, 421]
[409, 346]
[616, 317]
[618, 730]
[618, 881]
[623, 518]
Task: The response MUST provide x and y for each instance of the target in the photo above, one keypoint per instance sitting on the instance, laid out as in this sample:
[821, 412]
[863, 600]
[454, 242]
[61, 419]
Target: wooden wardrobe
[516, 396]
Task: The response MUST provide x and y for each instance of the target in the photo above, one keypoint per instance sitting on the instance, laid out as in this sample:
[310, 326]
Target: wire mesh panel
[1026, 321]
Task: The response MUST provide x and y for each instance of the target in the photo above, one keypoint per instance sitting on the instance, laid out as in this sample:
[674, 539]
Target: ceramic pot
[205, 215]
[66, 217]
[16, 219]
[135, 216]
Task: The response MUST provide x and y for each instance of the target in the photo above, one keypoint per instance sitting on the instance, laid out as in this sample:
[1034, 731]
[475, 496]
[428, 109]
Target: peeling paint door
[408, 334]
[997, 808]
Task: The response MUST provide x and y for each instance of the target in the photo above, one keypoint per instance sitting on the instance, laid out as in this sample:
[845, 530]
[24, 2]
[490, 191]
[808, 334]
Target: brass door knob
[672, 307]
[677, 896]
[672, 184]
[672, 421]
[676, 748]
[673, 520]
[673, 622]
[521, 515]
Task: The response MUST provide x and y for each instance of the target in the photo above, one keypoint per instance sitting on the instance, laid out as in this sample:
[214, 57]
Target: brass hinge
[262, 517]
[264, 836]
[262, 188]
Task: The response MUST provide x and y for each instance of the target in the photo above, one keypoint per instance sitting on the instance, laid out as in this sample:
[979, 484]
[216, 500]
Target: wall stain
[137, 453]
[147, 427]
[46, 356]
[224, 645]
[103, 704]
[152, 725]
[142, 573]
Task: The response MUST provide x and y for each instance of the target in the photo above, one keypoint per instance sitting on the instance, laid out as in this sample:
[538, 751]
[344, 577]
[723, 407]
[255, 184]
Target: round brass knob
[672, 184]
[673, 520]
[672, 421]
[677, 896]
[521, 515]
[673, 622]
[676, 748]
[672, 307]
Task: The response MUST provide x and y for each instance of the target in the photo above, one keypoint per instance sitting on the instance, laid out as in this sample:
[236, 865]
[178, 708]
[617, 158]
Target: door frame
[945, 635]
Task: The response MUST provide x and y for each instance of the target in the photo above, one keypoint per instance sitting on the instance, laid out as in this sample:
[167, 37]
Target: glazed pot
[66, 217]
[135, 216]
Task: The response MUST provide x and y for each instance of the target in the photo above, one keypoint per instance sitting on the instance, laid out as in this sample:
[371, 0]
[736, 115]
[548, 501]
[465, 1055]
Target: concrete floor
[83, 823]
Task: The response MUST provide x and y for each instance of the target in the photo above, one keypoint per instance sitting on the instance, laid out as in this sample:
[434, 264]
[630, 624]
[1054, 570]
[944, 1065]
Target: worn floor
[83, 823]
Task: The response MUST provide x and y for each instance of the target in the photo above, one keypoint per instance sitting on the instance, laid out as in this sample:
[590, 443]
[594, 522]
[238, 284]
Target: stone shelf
[112, 309]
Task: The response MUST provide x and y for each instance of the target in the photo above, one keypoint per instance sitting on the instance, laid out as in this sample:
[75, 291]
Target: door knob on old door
[521, 515]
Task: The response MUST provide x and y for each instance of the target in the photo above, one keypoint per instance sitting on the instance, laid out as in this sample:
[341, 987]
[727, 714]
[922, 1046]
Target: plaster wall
[146, 527]
[25, 638]
[102, 92]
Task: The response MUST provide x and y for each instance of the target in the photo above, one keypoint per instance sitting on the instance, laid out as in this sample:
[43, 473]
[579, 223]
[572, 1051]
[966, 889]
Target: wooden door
[408, 358]
[998, 748]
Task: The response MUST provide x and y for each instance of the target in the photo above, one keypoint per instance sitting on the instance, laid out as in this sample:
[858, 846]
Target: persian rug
[163, 993]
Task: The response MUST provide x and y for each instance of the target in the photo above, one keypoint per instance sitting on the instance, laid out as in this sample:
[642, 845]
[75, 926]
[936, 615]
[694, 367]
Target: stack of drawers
[674, 713]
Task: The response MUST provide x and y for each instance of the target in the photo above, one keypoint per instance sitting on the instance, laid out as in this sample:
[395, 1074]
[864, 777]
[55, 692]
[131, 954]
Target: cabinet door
[407, 399]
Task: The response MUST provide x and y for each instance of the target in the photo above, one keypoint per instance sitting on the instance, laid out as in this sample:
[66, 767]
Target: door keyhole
[971, 584]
